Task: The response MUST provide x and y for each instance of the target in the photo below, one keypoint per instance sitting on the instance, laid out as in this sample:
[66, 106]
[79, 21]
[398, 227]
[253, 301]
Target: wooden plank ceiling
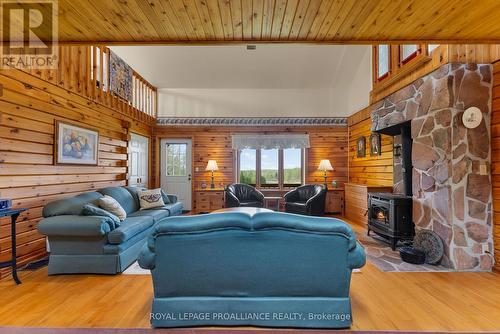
[318, 21]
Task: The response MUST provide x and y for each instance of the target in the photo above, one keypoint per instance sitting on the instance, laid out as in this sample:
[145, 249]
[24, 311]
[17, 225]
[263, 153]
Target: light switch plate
[486, 248]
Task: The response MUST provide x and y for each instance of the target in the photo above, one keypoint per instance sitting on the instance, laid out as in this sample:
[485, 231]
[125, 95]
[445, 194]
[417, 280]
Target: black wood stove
[391, 215]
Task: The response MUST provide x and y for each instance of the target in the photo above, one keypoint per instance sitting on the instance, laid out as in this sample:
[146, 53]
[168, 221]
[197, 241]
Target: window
[431, 48]
[383, 54]
[176, 159]
[292, 167]
[408, 52]
[248, 167]
[271, 168]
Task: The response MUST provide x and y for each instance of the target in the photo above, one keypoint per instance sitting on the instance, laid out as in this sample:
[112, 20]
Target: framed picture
[75, 145]
[375, 148]
[361, 147]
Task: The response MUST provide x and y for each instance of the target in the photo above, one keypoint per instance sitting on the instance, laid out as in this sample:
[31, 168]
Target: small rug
[380, 254]
[135, 269]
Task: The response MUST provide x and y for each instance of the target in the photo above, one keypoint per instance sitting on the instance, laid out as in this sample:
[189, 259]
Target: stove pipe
[403, 129]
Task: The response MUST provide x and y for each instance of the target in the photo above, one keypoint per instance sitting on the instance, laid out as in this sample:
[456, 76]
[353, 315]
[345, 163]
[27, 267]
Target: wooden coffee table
[250, 211]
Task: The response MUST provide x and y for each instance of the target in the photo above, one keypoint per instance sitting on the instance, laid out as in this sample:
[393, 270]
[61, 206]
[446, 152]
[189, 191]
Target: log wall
[30, 104]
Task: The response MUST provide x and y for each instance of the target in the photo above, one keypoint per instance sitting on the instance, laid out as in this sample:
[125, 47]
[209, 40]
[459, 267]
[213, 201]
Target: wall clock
[472, 117]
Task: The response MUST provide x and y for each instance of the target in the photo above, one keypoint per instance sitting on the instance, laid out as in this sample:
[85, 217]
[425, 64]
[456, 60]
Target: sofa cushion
[165, 197]
[70, 206]
[129, 228]
[110, 204]
[157, 214]
[123, 196]
[133, 191]
[93, 210]
[149, 199]
[141, 237]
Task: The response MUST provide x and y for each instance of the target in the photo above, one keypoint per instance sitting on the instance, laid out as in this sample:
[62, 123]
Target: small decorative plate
[431, 244]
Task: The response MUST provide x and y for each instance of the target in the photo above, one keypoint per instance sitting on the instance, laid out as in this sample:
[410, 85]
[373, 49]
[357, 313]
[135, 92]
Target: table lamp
[212, 166]
[325, 165]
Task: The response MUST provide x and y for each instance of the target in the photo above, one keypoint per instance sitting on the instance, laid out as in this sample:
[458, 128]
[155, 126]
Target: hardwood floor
[380, 301]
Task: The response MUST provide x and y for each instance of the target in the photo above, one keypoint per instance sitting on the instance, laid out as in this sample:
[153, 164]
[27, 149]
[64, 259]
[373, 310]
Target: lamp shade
[325, 165]
[212, 165]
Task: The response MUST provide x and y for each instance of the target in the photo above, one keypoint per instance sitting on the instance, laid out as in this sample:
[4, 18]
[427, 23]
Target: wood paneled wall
[495, 161]
[215, 143]
[373, 171]
[29, 106]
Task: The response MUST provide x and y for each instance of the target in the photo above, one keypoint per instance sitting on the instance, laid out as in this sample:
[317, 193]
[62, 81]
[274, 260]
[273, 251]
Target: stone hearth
[450, 196]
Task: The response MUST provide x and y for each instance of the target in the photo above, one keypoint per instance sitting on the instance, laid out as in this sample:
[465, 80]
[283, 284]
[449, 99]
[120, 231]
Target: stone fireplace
[451, 164]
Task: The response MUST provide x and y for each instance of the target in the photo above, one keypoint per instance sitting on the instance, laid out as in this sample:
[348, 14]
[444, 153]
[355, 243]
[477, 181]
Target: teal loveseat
[93, 244]
[234, 269]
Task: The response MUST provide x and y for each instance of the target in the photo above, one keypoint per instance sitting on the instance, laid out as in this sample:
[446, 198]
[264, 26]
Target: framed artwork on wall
[375, 148]
[361, 147]
[75, 145]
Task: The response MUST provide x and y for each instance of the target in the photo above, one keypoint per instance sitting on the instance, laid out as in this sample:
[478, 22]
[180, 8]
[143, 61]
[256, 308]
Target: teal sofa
[235, 269]
[93, 244]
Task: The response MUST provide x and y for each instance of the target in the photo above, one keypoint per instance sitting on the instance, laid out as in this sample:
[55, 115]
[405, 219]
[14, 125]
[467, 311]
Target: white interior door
[138, 160]
[176, 169]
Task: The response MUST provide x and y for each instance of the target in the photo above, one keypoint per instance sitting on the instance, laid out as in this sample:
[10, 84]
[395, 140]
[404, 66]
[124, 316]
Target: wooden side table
[277, 202]
[208, 200]
[14, 214]
[335, 201]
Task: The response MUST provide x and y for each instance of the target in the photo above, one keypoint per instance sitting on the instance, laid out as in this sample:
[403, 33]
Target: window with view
[176, 160]
[271, 168]
[292, 167]
[248, 167]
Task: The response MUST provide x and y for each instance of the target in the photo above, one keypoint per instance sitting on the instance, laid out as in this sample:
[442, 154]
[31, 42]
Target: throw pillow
[166, 200]
[149, 199]
[92, 210]
[110, 204]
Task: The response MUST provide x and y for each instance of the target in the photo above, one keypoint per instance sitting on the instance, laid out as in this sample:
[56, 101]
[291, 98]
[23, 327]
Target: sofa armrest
[147, 257]
[172, 198]
[70, 225]
[357, 257]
